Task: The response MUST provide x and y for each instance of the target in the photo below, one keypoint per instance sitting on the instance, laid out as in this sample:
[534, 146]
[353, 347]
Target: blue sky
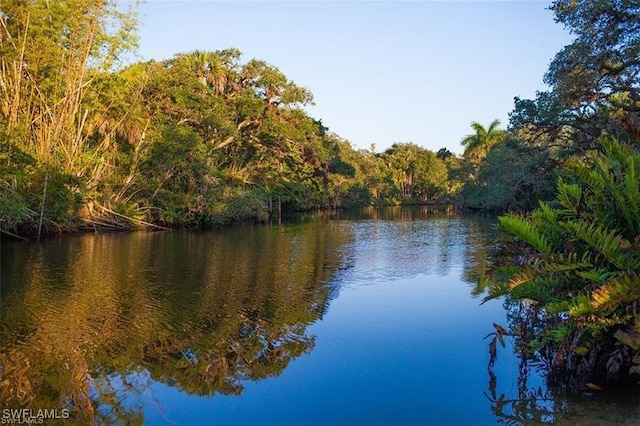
[380, 72]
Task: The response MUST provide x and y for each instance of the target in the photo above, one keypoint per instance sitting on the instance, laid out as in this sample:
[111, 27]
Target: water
[368, 319]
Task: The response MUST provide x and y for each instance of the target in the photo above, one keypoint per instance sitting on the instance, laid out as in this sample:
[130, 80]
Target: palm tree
[444, 153]
[477, 144]
[209, 68]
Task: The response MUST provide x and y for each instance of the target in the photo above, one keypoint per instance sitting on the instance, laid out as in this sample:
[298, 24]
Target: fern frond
[603, 296]
[526, 231]
[539, 289]
[624, 288]
[545, 213]
[522, 278]
[612, 177]
[580, 306]
[560, 333]
[569, 196]
[507, 270]
[496, 290]
[607, 242]
[632, 189]
[598, 276]
[558, 307]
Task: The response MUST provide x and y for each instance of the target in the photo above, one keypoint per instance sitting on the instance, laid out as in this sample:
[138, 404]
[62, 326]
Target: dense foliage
[202, 138]
[577, 263]
[574, 262]
[594, 91]
[89, 141]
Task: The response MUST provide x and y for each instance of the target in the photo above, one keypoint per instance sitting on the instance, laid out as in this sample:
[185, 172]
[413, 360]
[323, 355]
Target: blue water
[372, 319]
[402, 352]
[402, 343]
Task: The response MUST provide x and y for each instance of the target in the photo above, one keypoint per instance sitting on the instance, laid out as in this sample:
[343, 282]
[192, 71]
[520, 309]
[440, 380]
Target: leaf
[601, 239]
[593, 387]
[525, 230]
[631, 339]
[492, 352]
[499, 328]
[581, 350]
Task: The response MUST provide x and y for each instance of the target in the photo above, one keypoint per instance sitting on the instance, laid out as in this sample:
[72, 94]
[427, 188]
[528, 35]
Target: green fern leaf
[607, 242]
[526, 231]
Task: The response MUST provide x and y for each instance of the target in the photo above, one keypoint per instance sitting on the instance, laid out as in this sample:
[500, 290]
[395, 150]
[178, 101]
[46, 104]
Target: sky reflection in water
[320, 321]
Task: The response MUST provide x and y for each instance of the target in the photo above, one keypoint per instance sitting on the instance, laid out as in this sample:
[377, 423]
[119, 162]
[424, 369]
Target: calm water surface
[368, 319]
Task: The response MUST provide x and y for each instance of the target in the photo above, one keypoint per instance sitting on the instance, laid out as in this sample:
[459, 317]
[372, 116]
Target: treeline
[203, 138]
[594, 92]
[573, 153]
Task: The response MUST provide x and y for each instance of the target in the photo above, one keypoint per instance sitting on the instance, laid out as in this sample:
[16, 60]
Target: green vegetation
[573, 263]
[594, 91]
[204, 138]
[577, 263]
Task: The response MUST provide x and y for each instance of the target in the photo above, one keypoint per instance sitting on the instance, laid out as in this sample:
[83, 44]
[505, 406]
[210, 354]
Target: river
[368, 318]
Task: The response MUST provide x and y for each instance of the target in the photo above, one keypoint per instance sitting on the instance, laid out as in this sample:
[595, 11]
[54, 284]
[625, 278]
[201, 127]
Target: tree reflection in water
[103, 324]
[91, 323]
[546, 404]
[531, 405]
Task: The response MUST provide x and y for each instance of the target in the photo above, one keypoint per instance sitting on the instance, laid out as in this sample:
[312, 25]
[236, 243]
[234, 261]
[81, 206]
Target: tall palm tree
[209, 68]
[477, 145]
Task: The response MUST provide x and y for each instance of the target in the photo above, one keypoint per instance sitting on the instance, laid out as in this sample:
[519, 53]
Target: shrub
[577, 262]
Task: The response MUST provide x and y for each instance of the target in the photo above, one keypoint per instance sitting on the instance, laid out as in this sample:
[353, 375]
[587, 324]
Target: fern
[496, 290]
[545, 213]
[632, 189]
[598, 276]
[585, 270]
[580, 306]
[622, 289]
[606, 242]
[525, 231]
[569, 196]
[522, 278]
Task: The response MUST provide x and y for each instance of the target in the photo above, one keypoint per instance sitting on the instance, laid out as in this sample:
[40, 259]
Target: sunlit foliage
[577, 260]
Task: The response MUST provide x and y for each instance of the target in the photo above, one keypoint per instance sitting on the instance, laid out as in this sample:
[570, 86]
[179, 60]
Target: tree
[477, 144]
[209, 69]
[601, 66]
[595, 81]
[245, 140]
[418, 175]
[52, 54]
[444, 154]
[53, 60]
[515, 174]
